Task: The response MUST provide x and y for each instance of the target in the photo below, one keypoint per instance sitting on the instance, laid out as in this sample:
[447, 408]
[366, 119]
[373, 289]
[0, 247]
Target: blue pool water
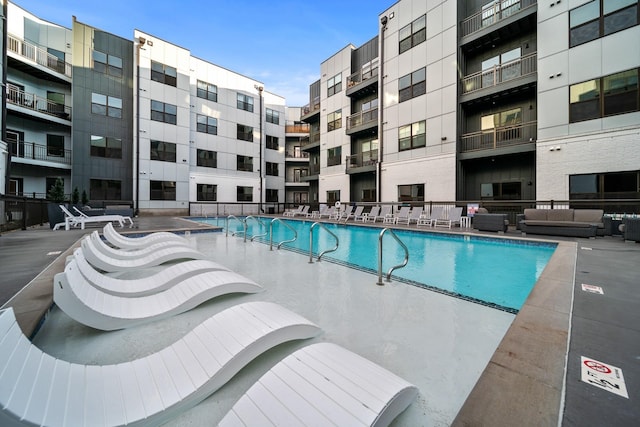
[496, 272]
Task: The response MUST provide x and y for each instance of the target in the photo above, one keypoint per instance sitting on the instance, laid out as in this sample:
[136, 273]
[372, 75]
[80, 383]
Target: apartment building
[482, 100]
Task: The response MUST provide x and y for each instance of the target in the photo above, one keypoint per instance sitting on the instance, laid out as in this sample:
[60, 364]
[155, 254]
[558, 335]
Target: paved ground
[604, 327]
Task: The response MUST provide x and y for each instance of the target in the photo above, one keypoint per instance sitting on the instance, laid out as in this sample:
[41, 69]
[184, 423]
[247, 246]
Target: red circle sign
[597, 366]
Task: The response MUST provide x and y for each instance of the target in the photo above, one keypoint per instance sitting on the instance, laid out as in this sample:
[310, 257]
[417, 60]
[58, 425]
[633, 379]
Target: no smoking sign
[602, 375]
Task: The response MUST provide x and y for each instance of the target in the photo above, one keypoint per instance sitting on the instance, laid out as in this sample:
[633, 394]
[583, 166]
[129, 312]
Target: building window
[600, 18]
[502, 126]
[333, 196]
[55, 145]
[271, 195]
[164, 74]
[611, 185]
[107, 64]
[206, 124]
[494, 70]
[207, 159]
[272, 142]
[606, 96]
[163, 151]
[244, 194]
[106, 105]
[162, 112]
[56, 60]
[207, 193]
[104, 189]
[412, 136]
[108, 147]
[244, 133]
[369, 195]
[245, 102]
[244, 163]
[334, 120]
[272, 169]
[334, 84]
[334, 156]
[273, 116]
[411, 193]
[207, 91]
[412, 85]
[413, 34]
[162, 190]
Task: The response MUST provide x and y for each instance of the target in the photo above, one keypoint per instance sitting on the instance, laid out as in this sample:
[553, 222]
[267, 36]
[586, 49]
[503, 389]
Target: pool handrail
[295, 233]
[404, 263]
[261, 226]
[311, 242]
[243, 222]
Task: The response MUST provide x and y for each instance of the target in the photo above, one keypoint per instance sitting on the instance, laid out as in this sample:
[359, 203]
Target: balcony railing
[297, 155]
[502, 73]
[362, 118]
[33, 151]
[523, 133]
[17, 96]
[297, 128]
[314, 170]
[367, 158]
[312, 106]
[38, 55]
[492, 14]
[360, 76]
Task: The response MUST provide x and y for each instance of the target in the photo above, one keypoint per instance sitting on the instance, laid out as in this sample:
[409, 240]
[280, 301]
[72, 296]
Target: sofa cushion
[593, 216]
[535, 214]
[560, 215]
[571, 224]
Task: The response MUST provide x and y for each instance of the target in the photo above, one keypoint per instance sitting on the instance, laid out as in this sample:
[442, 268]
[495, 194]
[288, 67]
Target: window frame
[244, 132]
[411, 35]
[55, 145]
[272, 169]
[163, 73]
[334, 85]
[165, 189]
[160, 153]
[272, 116]
[419, 192]
[209, 161]
[244, 163]
[200, 192]
[244, 193]
[112, 65]
[417, 135]
[244, 102]
[596, 23]
[107, 186]
[112, 148]
[105, 105]
[334, 156]
[334, 120]
[272, 142]
[206, 124]
[412, 85]
[163, 115]
[209, 92]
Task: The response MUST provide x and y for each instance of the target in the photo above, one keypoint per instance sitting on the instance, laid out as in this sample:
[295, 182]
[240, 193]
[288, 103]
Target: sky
[280, 43]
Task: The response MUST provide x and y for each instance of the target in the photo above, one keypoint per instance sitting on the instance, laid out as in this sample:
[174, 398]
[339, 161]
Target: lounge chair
[292, 212]
[124, 242]
[342, 213]
[356, 213]
[72, 220]
[160, 256]
[385, 211]
[414, 216]
[328, 212]
[303, 212]
[430, 219]
[95, 308]
[403, 213]
[453, 218]
[320, 385]
[38, 389]
[152, 284]
[369, 216]
[131, 254]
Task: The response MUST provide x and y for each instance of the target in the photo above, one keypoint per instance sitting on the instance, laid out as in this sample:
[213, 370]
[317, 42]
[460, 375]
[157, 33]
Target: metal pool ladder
[246, 220]
[404, 263]
[295, 233]
[244, 226]
[311, 241]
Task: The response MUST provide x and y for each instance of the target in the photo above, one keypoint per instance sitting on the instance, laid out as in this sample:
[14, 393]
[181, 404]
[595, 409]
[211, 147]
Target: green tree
[56, 192]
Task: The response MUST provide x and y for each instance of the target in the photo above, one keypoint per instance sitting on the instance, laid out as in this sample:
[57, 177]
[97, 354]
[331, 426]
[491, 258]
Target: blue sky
[279, 42]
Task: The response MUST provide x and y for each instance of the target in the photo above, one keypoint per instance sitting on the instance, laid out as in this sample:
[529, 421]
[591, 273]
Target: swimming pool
[489, 271]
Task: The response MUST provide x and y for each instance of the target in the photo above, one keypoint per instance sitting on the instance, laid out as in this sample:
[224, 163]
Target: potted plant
[55, 195]
[85, 198]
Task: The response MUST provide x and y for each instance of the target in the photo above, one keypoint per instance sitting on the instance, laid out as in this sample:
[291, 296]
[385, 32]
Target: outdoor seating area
[81, 219]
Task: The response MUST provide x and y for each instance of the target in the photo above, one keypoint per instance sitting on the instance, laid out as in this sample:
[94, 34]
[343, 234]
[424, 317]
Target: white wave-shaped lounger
[135, 253]
[151, 259]
[323, 385]
[159, 281]
[125, 242]
[90, 306]
[38, 389]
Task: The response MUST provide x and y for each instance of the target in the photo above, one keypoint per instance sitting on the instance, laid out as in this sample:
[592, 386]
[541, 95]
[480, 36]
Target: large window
[207, 193]
[334, 84]
[163, 151]
[411, 193]
[244, 163]
[106, 105]
[244, 194]
[244, 133]
[162, 190]
[164, 74]
[334, 120]
[207, 91]
[55, 145]
[599, 18]
[334, 156]
[272, 116]
[207, 159]
[272, 142]
[206, 124]
[611, 185]
[102, 146]
[333, 196]
[412, 85]
[162, 112]
[606, 96]
[245, 102]
[413, 34]
[272, 169]
[271, 195]
[412, 136]
[107, 64]
[104, 189]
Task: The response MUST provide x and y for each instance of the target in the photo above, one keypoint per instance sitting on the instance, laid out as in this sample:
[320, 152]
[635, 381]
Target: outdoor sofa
[485, 221]
[562, 222]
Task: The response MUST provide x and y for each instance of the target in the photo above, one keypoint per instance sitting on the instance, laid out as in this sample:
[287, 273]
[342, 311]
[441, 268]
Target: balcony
[500, 74]
[38, 55]
[362, 82]
[362, 121]
[362, 162]
[297, 128]
[499, 137]
[310, 110]
[495, 13]
[312, 142]
[17, 96]
[40, 153]
[296, 155]
[314, 172]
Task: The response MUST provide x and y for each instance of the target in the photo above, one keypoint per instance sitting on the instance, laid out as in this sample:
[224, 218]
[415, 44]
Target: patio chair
[356, 213]
[72, 220]
[328, 212]
[369, 216]
[132, 254]
[430, 219]
[124, 242]
[303, 212]
[402, 213]
[292, 212]
[343, 213]
[93, 307]
[323, 384]
[39, 389]
[453, 218]
[414, 216]
[385, 211]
